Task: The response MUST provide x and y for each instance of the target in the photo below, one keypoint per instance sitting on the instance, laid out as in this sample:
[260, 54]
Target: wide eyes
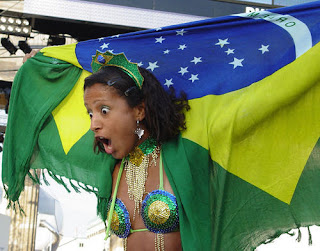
[105, 110]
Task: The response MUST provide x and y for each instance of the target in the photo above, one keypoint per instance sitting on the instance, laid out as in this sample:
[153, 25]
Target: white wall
[4, 232]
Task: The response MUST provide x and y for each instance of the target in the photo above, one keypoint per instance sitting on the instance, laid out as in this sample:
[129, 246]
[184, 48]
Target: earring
[139, 131]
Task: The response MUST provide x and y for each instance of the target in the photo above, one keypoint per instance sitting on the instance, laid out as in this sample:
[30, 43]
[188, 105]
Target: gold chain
[155, 155]
[125, 244]
[136, 168]
[136, 177]
[159, 242]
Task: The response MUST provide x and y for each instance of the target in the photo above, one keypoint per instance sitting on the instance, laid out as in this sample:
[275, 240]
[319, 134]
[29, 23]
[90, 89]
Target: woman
[132, 117]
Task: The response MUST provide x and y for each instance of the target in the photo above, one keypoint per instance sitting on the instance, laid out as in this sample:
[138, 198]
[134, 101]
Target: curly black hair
[164, 112]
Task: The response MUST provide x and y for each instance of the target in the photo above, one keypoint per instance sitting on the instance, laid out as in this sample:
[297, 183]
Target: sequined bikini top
[159, 211]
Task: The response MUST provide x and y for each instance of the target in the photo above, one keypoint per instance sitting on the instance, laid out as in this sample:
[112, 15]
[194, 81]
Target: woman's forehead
[100, 88]
[100, 93]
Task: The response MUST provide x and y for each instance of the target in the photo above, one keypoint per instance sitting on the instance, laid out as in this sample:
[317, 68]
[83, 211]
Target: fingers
[30, 55]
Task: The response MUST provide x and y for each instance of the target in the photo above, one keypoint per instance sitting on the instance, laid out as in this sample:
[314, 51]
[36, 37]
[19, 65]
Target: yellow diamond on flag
[71, 116]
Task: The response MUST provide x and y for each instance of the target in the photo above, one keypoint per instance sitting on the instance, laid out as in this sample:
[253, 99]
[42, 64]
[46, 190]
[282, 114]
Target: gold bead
[159, 212]
[115, 223]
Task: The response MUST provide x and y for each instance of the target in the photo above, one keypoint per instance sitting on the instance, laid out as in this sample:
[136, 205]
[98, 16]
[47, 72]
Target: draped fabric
[246, 169]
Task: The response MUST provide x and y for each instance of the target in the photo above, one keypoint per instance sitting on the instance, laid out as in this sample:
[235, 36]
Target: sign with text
[269, 3]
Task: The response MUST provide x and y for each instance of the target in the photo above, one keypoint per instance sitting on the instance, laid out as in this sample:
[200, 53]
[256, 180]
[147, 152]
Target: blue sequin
[123, 217]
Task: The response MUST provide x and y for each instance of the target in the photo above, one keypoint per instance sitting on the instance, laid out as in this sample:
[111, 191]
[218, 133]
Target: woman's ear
[140, 111]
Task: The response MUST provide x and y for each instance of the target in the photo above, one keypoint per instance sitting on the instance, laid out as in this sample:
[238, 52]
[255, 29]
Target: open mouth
[103, 140]
[106, 144]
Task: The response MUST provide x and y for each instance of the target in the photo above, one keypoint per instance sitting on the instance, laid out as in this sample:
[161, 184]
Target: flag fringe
[310, 236]
[102, 208]
[46, 182]
[76, 189]
[13, 204]
[59, 180]
[86, 188]
[102, 203]
[299, 235]
[34, 177]
[279, 233]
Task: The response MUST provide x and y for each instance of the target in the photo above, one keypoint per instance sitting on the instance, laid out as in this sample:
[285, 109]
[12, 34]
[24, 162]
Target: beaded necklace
[136, 168]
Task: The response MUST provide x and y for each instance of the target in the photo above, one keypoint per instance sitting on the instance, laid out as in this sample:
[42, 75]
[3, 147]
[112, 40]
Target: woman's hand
[30, 55]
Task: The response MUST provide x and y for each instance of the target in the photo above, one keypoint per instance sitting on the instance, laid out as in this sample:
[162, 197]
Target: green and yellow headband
[102, 59]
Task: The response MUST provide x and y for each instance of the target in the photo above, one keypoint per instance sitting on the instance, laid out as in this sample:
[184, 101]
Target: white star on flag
[168, 82]
[182, 47]
[264, 48]
[159, 40]
[152, 66]
[104, 46]
[101, 39]
[183, 70]
[194, 77]
[237, 62]
[181, 32]
[140, 64]
[115, 36]
[222, 42]
[166, 52]
[229, 51]
[196, 60]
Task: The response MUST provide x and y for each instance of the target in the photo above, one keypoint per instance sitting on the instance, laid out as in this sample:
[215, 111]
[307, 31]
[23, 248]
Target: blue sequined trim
[120, 224]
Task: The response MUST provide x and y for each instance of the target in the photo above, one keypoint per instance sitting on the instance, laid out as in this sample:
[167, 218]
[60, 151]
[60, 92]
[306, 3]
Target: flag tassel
[59, 180]
[85, 187]
[76, 189]
[34, 178]
[299, 235]
[310, 237]
[45, 179]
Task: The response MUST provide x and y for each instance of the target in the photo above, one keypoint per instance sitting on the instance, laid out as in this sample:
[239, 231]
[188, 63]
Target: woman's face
[113, 121]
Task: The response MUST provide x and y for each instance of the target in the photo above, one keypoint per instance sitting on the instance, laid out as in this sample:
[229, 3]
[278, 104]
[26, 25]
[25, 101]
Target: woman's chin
[117, 155]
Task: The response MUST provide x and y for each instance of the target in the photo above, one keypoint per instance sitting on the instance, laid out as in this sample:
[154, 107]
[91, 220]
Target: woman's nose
[95, 123]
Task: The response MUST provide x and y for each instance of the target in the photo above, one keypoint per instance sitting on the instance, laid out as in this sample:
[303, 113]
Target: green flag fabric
[36, 143]
[247, 167]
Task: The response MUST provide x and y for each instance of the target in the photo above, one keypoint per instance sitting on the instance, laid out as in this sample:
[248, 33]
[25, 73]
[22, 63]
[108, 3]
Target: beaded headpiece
[102, 59]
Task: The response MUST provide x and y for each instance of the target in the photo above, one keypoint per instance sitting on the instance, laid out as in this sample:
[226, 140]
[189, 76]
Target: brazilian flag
[247, 168]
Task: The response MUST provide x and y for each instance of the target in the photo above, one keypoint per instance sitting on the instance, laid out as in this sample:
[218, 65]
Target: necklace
[136, 168]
